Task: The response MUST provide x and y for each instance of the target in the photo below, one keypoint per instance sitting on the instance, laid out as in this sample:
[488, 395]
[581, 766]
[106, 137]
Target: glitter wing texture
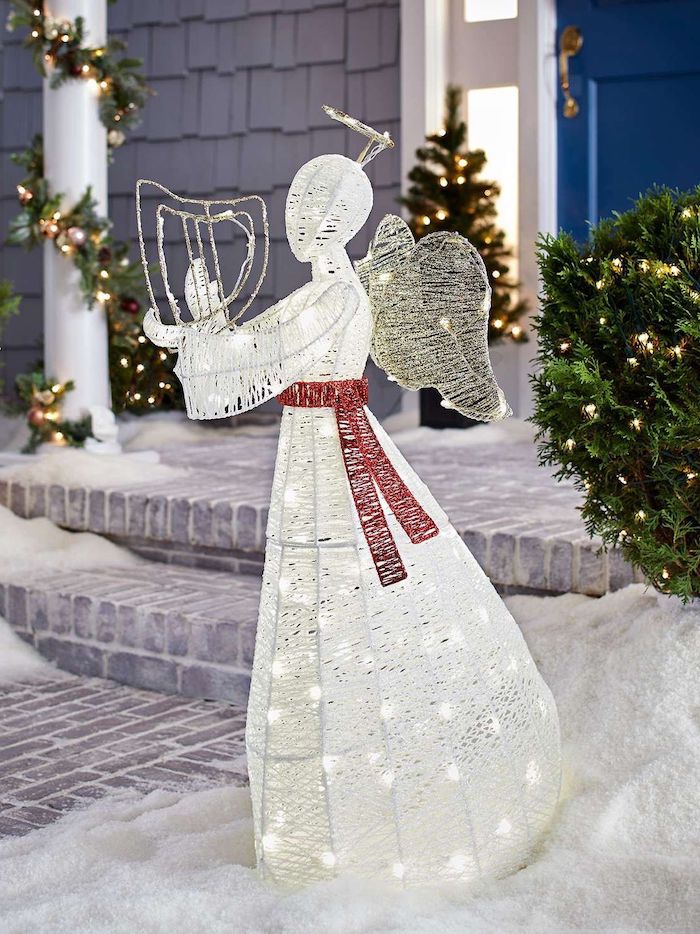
[430, 301]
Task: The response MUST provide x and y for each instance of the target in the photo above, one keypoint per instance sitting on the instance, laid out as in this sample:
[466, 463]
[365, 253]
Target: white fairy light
[315, 692]
[398, 870]
[453, 772]
[329, 859]
[504, 827]
[533, 775]
[445, 711]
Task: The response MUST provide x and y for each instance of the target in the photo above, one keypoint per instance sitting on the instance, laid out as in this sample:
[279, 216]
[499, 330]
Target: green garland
[58, 45]
[9, 306]
[140, 374]
[617, 400]
[43, 397]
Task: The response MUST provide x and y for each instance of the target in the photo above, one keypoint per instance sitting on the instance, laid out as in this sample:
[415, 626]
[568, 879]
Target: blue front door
[636, 81]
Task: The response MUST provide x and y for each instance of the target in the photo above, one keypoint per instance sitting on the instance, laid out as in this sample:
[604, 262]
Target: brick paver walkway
[67, 740]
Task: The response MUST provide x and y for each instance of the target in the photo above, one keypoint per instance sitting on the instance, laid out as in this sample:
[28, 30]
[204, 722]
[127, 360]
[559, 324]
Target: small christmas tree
[448, 193]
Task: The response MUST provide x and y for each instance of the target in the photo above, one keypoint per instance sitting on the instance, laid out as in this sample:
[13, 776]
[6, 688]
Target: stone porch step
[172, 629]
[212, 517]
[523, 527]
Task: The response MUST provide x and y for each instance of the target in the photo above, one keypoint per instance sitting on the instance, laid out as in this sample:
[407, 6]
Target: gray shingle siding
[239, 86]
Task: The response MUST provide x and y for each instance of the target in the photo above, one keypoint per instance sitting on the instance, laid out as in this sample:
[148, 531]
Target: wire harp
[205, 293]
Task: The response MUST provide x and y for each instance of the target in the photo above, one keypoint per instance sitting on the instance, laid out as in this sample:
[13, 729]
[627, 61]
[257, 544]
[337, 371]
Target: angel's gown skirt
[393, 732]
[400, 733]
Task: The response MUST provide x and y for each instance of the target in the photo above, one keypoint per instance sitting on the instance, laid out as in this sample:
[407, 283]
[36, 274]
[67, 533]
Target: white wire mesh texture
[398, 732]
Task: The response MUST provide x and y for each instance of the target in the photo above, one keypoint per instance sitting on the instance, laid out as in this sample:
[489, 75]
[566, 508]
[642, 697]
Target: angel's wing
[430, 303]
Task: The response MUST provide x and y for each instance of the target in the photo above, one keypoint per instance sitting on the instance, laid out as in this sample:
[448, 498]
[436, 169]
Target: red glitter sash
[366, 464]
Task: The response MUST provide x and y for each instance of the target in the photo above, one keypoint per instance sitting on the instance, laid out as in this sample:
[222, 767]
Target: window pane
[476, 11]
[492, 125]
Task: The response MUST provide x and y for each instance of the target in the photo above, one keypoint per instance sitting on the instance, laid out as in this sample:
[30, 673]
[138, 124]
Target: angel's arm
[238, 368]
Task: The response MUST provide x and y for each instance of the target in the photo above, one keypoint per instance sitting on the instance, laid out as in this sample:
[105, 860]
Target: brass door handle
[570, 43]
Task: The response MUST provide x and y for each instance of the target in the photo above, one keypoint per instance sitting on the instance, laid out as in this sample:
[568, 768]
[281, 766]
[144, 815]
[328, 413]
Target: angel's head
[329, 200]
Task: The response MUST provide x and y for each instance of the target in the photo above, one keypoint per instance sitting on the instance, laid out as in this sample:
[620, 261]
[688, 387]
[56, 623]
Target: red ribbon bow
[367, 464]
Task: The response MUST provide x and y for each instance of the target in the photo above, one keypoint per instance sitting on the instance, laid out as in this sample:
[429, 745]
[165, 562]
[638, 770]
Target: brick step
[214, 516]
[522, 526]
[170, 629]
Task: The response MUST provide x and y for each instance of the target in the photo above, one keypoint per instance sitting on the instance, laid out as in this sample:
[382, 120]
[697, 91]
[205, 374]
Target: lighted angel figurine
[398, 728]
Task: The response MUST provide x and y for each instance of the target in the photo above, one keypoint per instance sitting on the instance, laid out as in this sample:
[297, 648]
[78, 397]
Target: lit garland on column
[58, 45]
[618, 395]
[140, 375]
[44, 399]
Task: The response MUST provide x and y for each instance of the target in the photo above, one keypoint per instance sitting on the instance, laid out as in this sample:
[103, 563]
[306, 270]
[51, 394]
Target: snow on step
[211, 512]
[522, 526]
[153, 626]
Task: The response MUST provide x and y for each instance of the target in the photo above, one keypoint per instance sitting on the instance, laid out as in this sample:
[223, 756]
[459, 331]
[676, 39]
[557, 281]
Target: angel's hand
[162, 335]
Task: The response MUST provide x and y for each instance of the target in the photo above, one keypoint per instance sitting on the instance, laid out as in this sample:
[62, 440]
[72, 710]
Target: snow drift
[623, 854]
[36, 544]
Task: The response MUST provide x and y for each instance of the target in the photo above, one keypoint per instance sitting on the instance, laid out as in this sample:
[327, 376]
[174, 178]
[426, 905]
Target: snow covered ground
[623, 855]
[19, 661]
[168, 429]
[156, 430]
[35, 544]
[76, 467]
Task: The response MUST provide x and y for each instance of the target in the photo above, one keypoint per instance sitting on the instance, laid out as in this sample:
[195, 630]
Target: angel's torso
[347, 357]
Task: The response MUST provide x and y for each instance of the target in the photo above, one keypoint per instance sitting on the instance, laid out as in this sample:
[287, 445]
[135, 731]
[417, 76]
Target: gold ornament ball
[46, 397]
[115, 138]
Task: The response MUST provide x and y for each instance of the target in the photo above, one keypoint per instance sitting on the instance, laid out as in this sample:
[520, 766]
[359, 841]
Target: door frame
[425, 70]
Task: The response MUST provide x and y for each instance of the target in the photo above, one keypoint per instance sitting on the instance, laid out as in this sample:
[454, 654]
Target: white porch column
[75, 156]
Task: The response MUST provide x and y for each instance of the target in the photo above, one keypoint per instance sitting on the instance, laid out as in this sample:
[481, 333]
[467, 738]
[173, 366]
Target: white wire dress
[397, 726]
